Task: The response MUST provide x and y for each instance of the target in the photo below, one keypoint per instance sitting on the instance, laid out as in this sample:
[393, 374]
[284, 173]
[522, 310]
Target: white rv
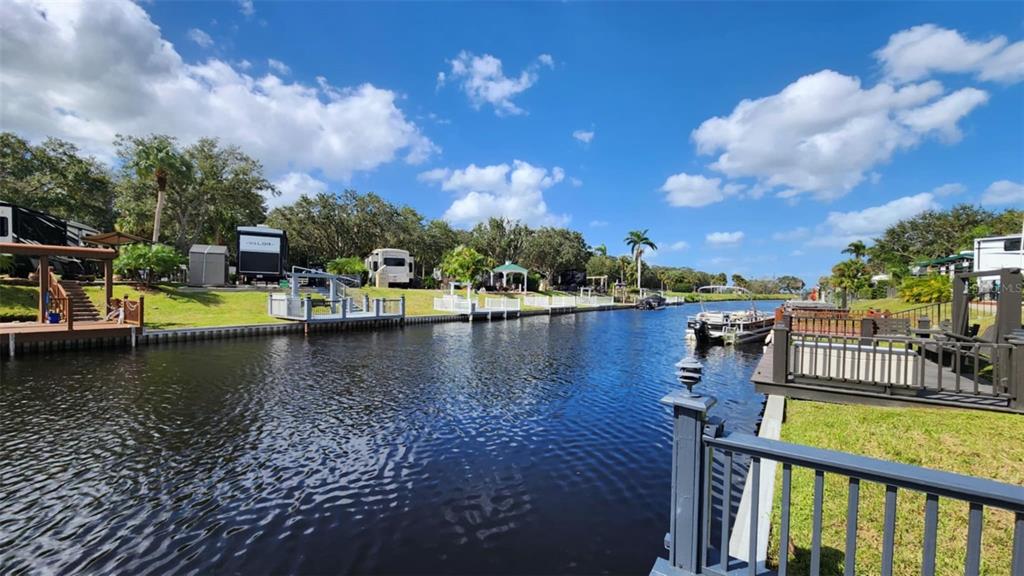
[995, 253]
[395, 266]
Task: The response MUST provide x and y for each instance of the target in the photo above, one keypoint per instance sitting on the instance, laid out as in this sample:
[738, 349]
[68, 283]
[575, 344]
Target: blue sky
[603, 117]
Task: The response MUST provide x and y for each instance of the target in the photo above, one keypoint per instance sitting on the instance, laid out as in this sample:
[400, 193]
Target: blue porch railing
[699, 443]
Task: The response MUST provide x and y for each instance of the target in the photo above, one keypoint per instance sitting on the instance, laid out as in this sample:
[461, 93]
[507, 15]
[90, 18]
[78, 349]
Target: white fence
[283, 306]
[452, 303]
[594, 301]
[505, 304]
[550, 301]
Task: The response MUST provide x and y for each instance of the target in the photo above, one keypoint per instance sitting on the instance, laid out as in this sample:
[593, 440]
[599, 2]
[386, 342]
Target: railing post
[345, 305]
[376, 307]
[1017, 376]
[366, 302]
[780, 354]
[142, 313]
[307, 309]
[685, 541]
[71, 314]
[867, 330]
[401, 306]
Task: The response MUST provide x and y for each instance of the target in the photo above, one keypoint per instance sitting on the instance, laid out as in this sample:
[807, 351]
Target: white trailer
[995, 253]
[389, 266]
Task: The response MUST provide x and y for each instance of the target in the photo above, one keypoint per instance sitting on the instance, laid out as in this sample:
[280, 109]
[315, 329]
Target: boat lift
[340, 307]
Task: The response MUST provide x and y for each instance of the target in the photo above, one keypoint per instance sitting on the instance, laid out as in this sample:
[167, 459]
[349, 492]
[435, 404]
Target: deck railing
[698, 444]
[127, 311]
[945, 369]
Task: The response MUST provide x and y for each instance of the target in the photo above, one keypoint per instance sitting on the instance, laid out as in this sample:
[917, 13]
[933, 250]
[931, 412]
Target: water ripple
[536, 445]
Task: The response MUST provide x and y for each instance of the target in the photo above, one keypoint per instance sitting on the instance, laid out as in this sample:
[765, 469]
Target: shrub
[350, 265]
[927, 289]
[145, 262]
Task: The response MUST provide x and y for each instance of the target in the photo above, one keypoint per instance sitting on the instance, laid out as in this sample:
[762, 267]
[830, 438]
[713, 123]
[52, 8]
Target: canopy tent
[114, 238]
[510, 268]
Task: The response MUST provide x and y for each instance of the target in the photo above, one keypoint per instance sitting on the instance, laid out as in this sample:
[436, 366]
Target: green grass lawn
[18, 303]
[973, 442]
[174, 307]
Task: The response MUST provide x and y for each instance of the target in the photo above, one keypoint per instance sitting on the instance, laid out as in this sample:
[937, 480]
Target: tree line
[199, 193]
[929, 235]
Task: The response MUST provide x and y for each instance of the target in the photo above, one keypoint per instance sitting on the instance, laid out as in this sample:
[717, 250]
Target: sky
[756, 139]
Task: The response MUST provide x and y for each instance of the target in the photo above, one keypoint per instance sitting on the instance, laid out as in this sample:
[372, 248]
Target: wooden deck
[37, 332]
[928, 383]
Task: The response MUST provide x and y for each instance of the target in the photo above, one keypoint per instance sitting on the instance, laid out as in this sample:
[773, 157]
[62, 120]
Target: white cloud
[1004, 192]
[841, 228]
[584, 136]
[199, 37]
[292, 186]
[922, 51]
[279, 67]
[88, 72]
[951, 189]
[246, 7]
[677, 246]
[797, 253]
[576, 182]
[694, 190]
[515, 192]
[797, 233]
[942, 115]
[822, 134]
[724, 238]
[547, 60]
[484, 81]
[598, 223]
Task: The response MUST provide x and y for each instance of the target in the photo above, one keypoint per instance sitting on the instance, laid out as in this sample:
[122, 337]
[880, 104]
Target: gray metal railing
[693, 550]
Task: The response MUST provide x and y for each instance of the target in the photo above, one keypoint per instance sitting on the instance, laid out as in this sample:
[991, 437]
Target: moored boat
[709, 327]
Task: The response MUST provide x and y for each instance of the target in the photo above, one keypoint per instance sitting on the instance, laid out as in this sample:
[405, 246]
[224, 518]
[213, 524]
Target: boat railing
[705, 458]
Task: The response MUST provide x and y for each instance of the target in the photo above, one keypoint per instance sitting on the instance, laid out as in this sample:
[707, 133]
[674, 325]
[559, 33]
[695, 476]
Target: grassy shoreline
[170, 306]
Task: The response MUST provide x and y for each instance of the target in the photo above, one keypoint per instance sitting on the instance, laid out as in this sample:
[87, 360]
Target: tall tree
[637, 240]
[850, 276]
[155, 158]
[53, 177]
[554, 250]
[857, 249]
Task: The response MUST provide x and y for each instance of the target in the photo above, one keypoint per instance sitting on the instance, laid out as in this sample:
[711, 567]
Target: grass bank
[978, 443]
[176, 307]
[18, 303]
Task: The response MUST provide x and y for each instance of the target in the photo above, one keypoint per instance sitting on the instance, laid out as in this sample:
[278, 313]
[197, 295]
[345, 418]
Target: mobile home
[262, 253]
[390, 266]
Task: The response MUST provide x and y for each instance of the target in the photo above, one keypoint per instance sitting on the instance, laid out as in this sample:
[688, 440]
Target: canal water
[528, 446]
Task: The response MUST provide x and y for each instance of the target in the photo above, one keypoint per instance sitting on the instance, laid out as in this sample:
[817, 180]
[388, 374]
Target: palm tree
[857, 249]
[636, 241]
[601, 250]
[156, 159]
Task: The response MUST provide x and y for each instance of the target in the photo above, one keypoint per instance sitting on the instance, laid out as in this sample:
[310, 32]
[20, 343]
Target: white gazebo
[509, 268]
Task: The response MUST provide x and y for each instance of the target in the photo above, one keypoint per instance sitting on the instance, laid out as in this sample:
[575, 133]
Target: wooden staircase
[83, 309]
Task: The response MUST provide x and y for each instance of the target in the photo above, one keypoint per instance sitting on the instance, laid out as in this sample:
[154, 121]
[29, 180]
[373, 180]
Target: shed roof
[207, 249]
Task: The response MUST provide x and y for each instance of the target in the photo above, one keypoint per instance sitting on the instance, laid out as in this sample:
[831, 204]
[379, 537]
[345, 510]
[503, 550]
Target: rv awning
[114, 238]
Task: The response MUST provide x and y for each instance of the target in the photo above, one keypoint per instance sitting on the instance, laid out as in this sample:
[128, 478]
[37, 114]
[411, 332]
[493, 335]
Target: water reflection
[535, 445]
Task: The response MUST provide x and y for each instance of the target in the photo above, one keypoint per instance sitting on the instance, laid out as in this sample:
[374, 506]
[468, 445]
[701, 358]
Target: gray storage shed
[207, 265]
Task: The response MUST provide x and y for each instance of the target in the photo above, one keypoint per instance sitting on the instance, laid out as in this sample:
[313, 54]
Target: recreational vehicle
[26, 226]
[994, 253]
[262, 254]
[391, 265]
